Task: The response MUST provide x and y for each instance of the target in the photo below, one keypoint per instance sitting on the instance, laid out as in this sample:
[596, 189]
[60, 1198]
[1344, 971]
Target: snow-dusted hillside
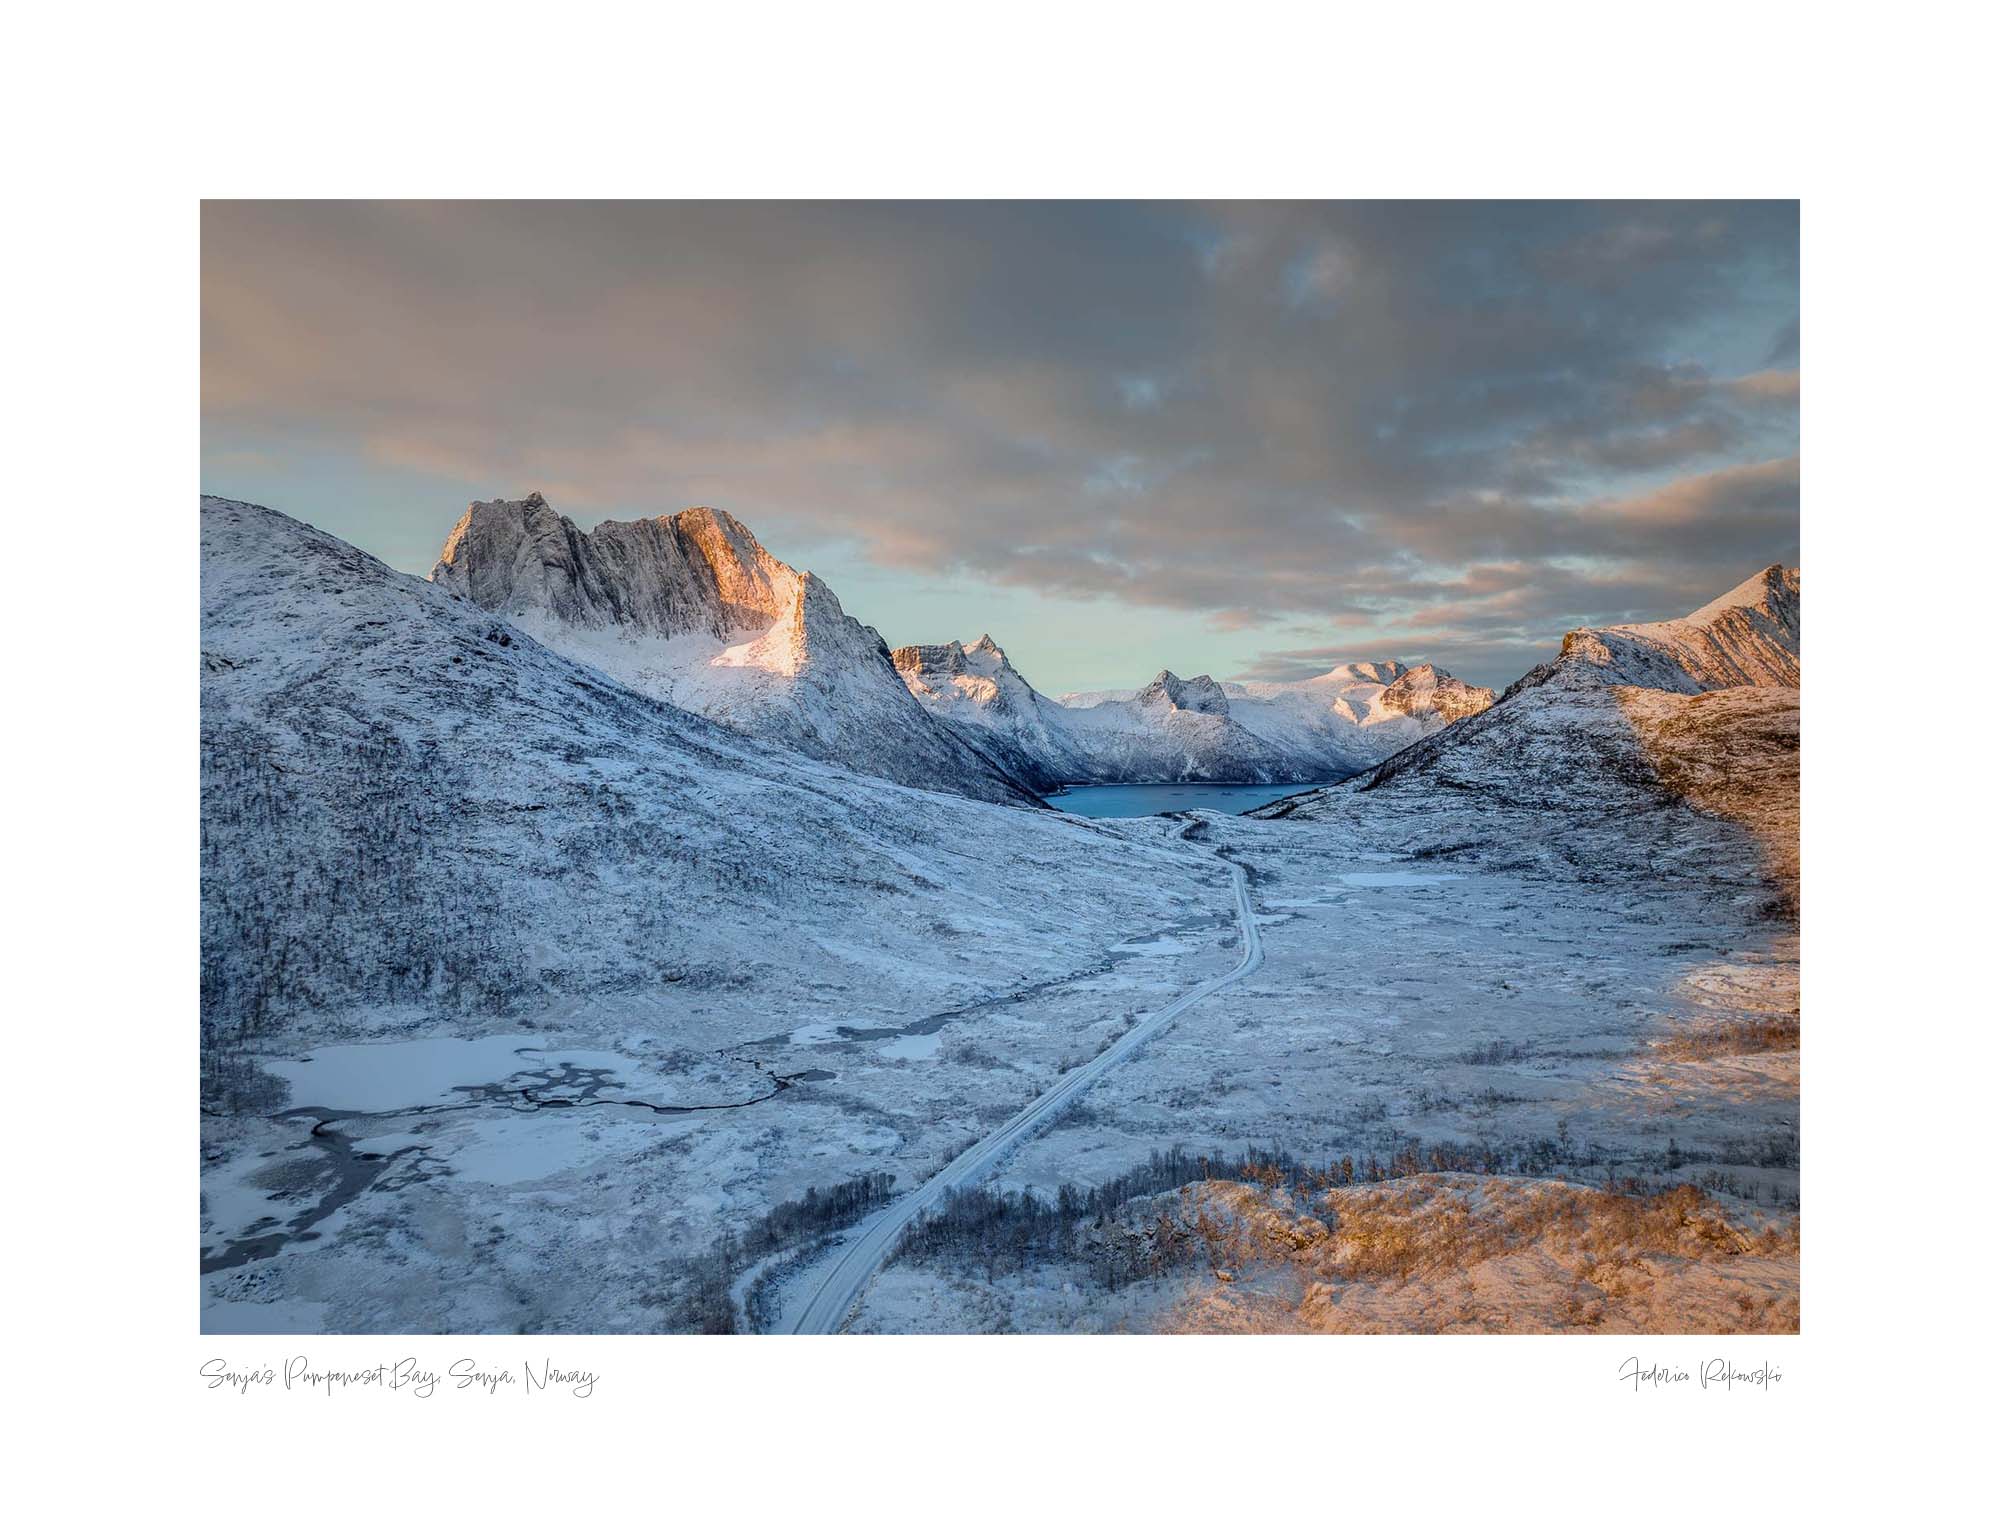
[693, 610]
[409, 802]
[1187, 730]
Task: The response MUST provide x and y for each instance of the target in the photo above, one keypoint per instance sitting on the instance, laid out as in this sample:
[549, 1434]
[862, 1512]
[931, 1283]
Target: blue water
[1119, 800]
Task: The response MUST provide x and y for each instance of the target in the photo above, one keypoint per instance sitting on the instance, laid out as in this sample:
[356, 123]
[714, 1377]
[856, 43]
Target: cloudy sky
[1252, 440]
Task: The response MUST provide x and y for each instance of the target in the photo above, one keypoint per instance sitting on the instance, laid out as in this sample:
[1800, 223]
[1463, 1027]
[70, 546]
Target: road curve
[840, 1289]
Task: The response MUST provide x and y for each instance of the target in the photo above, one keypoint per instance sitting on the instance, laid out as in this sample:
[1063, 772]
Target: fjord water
[1121, 800]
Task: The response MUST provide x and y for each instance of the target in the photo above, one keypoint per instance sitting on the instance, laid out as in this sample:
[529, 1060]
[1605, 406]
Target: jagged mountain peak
[697, 571]
[1196, 695]
[1773, 591]
[955, 658]
[987, 658]
[535, 809]
[1429, 689]
[1186, 729]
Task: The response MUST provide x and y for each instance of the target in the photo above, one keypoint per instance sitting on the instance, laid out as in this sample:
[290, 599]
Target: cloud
[1777, 386]
[1762, 496]
[1259, 414]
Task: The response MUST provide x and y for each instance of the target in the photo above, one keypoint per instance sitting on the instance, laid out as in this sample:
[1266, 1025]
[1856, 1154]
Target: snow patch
[1391, 878]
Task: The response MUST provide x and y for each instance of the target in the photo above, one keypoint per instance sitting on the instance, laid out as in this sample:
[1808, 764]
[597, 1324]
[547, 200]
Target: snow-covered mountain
[1693, 713]
[1353, 716]
[1176, 730]
[693, 610]
[978, 690]
[1424, 691]
[412, 809]
[1194, 729]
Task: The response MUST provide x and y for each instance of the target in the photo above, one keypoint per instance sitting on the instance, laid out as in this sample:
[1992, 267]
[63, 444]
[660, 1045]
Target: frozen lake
[1121, 800]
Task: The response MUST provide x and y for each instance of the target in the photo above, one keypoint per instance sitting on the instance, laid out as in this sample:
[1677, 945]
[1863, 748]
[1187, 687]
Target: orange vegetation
[1451, 1253]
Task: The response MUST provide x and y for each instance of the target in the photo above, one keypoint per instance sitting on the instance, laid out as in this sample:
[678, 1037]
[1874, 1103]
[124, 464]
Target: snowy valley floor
[1471, 1079]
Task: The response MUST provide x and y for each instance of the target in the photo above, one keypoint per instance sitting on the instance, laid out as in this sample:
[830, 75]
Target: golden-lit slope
[1445, 1253]
[1733, 753]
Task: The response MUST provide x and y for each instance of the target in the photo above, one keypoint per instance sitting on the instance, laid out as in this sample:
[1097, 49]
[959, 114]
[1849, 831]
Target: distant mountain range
[1194, 729]
[693, 610]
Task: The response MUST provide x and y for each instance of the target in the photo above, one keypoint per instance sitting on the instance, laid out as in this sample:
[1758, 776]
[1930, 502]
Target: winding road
[826, 1310]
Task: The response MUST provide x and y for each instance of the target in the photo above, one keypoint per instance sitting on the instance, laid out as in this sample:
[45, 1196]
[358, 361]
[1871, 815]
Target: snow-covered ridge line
[1747, 637]
[1194, 729]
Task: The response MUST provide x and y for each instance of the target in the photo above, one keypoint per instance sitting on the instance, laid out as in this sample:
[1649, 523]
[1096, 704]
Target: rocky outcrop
[1199, 695]
[700, 572]
[1426, 692]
